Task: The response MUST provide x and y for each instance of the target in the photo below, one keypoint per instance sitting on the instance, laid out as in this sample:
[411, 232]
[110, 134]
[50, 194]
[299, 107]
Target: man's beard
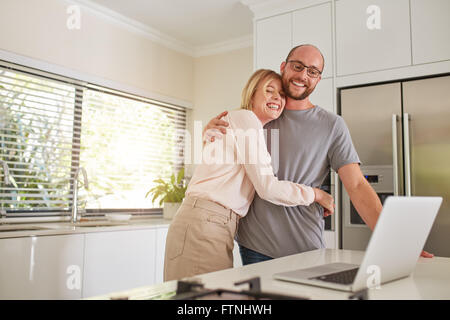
[288, 93]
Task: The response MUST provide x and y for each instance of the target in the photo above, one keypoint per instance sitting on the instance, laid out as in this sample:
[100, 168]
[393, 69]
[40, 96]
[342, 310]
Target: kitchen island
[430, 279]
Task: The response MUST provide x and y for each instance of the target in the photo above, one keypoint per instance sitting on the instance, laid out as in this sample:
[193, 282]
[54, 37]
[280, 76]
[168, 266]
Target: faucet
[74, 217]
[8, 179]
[5, 172]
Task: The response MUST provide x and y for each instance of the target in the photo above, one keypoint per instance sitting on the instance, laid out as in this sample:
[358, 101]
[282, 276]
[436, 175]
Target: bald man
[311, 141]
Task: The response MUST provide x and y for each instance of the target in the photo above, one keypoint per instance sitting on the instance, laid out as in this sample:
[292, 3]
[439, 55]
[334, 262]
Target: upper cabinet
[430, 30]
[323, 94]
[313, 26]
[362, 40]
[372, 35]
[277, 35]
[273, 41]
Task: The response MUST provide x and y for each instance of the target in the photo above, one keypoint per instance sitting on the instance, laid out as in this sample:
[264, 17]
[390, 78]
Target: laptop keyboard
[341, 277]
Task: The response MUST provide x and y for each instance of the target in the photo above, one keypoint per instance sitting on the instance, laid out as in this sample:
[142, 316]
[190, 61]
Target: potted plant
[170, 194]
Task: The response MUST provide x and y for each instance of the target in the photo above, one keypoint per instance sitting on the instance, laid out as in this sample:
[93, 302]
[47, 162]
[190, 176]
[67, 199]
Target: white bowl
[118, 217]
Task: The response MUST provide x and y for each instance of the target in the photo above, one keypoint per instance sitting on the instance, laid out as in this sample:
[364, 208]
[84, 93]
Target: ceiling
[193, 22]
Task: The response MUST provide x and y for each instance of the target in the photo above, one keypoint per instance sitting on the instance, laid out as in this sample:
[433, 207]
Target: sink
[87, 224]
[63, 225]
[15, 228]
[94, 224]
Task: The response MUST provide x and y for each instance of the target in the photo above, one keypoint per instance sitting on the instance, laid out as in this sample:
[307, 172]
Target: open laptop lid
[397, 241]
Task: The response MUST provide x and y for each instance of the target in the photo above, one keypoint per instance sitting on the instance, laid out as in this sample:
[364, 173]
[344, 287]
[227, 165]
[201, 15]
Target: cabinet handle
[395, 152]
[406, 118]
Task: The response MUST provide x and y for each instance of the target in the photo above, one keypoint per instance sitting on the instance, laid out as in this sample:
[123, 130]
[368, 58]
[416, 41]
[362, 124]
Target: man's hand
[425, 254]
[326, 200]
[327, 212]
[215, 126]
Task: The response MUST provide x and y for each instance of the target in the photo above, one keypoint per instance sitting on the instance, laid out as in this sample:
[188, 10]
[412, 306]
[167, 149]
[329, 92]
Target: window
[49, 126]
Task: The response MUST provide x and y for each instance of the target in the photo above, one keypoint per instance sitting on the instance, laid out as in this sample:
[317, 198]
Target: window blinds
[50, 126]
[126, 144]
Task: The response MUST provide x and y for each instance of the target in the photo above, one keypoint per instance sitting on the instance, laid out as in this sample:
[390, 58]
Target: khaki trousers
[200, 239]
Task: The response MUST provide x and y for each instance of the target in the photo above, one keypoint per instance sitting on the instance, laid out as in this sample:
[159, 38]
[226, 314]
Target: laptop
[392, 252]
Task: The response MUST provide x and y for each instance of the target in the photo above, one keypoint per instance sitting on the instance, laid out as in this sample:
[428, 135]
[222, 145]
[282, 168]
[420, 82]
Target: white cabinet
[313, 26]
[273, 41]
[237, 260]
[330, 239]
[372, 35]
[161, 235]
[47, 267]
[430, 30]
[362, 40]
[276, 36]
[119, 260]
[323, 94]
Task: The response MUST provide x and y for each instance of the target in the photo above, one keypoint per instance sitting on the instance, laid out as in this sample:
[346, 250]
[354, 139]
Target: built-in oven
[355, 233]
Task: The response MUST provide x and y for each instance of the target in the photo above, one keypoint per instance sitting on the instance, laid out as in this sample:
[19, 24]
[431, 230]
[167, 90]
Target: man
[311, 140]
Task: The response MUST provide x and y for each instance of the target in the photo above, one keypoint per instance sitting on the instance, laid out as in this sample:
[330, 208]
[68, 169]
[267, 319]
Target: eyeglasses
[298, 66]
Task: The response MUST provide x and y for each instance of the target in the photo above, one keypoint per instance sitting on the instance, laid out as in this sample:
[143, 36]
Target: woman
[200, 238]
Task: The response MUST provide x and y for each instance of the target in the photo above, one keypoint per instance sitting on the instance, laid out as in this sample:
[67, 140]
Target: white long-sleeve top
[237, 165]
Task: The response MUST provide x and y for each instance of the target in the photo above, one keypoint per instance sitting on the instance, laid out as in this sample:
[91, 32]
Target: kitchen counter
[85, 226]
[430, 279]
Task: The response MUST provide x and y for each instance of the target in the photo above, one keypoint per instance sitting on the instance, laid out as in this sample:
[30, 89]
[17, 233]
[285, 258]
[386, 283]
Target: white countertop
[90, 225]
[430, 279]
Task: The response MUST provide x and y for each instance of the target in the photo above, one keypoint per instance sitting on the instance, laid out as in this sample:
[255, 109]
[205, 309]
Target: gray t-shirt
[310, 142]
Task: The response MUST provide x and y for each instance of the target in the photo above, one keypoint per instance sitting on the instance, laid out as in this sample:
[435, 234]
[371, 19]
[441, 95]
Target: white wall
[101, 48]
[218, 83]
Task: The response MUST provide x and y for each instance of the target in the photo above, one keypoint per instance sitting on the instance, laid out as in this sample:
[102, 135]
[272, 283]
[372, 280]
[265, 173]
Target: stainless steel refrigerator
[401, 132]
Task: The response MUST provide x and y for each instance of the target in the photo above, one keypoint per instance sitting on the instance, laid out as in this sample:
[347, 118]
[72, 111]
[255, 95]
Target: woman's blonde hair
[252, 84]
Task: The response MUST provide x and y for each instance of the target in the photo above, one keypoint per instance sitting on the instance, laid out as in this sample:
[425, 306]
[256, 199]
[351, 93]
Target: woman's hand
[326, 200]
[216, 125]
[426, 254]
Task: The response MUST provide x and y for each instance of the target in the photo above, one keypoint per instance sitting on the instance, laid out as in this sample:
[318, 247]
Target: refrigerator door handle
[406, 118]
[395, 153]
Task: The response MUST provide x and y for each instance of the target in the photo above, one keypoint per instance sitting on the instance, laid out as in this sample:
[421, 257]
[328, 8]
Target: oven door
[355, 233]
